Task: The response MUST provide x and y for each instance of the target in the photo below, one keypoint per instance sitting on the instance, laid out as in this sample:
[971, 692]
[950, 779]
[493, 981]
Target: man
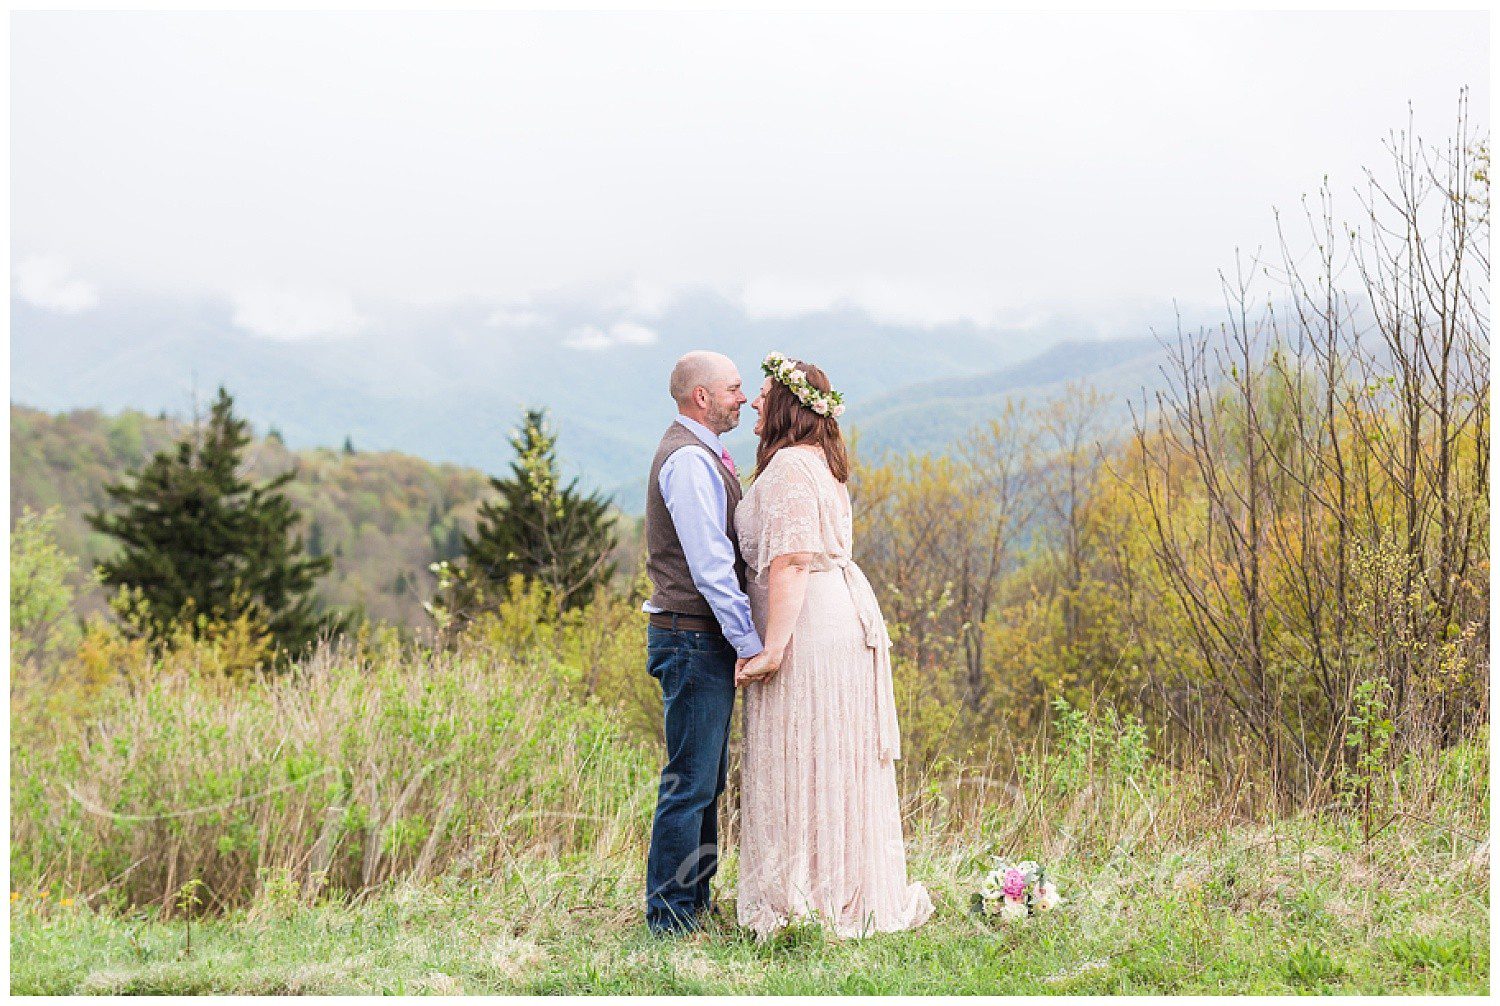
[699, 634]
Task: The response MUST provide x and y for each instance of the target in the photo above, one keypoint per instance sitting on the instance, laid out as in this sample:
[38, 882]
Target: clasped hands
[748, 670]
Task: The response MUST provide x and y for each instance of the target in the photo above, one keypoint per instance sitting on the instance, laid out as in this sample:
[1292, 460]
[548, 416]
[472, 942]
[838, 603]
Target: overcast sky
[311, 168]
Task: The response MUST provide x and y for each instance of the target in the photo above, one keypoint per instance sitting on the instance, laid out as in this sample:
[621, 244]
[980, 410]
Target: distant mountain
[932, 415]
[385, 516]
[448, 383]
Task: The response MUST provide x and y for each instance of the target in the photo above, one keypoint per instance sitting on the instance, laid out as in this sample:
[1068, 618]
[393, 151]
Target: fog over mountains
[448, 383]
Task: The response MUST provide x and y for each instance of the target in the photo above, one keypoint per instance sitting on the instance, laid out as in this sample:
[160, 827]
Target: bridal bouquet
[1014, 891]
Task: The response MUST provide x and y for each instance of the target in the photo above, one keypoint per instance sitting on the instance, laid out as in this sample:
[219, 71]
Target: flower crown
[824, 403]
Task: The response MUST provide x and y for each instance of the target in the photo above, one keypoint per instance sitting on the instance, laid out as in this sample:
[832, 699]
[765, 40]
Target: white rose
[838, 410]
[1048, 898]
[820, 407]
[1013, 910]
[798, 376]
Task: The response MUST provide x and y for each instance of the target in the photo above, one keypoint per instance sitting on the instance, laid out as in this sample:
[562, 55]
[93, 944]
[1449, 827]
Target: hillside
[384, 517]
[931, 415]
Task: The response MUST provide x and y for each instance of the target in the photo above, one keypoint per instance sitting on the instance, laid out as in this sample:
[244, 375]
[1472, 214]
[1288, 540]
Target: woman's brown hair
[786, 422]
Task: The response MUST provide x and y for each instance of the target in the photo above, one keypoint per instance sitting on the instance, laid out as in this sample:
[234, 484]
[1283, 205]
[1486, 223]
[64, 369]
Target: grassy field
[497, 828]
[1300, 908]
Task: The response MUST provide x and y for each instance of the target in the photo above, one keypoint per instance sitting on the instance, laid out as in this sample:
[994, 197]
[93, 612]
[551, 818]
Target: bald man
[699, 630]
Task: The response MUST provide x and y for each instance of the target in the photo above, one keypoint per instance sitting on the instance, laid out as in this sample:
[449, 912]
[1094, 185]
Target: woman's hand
[762, 665]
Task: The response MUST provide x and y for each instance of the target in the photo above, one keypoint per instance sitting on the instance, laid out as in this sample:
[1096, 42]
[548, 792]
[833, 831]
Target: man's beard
[724, 420]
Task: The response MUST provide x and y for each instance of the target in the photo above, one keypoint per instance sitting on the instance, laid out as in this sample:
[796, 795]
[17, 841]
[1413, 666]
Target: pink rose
[1015, 883]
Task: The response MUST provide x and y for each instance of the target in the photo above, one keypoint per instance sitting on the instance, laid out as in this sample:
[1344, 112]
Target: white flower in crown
[824, 403]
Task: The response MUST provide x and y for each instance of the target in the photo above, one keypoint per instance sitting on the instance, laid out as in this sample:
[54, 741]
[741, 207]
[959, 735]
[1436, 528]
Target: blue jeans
[696, 672]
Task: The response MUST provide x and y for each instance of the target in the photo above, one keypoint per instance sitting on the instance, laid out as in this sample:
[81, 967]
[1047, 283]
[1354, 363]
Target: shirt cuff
[747, 645]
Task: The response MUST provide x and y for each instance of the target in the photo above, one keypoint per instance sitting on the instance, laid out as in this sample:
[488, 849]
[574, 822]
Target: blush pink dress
[820, 821]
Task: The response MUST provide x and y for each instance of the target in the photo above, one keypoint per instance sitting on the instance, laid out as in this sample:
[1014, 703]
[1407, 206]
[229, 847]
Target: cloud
[621, 333]
[513, 316]
[642, 299]
[628, 333]
[590, 178]
[289, 315]
[890, 299]
[588, 337]
[45, 281]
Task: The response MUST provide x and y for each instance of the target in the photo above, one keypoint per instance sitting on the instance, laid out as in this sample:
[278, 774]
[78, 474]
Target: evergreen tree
[557, 536]
[348, 444]
[200, 540]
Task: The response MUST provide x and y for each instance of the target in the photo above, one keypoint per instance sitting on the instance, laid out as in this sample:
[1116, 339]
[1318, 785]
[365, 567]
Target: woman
[820, 822]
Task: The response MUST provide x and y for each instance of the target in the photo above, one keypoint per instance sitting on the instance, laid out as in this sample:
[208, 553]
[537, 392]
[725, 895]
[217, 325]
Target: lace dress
[820, 822]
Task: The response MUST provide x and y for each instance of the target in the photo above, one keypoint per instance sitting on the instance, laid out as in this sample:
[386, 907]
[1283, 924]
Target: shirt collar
[703, 433]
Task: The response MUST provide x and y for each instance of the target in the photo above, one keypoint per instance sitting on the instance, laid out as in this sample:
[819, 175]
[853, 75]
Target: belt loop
[674, 621]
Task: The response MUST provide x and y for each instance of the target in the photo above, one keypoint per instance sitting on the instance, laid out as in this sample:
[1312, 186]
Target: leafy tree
[41, 600]
[200, 541]
[556, 536]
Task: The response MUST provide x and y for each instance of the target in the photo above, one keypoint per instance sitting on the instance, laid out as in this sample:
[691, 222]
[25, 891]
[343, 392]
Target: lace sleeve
[791, 513]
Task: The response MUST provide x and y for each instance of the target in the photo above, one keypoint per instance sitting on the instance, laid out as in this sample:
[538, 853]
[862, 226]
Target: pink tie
[728, 461]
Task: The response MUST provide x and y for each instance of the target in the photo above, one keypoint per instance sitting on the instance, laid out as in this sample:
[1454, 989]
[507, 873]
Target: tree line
[201, 547]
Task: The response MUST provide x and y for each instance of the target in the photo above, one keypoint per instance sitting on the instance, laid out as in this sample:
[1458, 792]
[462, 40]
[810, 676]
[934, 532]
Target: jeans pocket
[668, 664]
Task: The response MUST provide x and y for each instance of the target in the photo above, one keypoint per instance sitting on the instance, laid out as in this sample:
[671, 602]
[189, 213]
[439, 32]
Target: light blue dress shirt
[693, 490]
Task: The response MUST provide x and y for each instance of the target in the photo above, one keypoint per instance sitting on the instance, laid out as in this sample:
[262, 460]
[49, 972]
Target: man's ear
[700, 395]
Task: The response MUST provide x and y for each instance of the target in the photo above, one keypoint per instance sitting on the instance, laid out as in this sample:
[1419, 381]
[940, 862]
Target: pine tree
[200, 540]
[560, 537]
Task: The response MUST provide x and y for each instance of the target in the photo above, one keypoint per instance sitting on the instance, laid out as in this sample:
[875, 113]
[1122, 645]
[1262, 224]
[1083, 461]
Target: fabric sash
[887, 733]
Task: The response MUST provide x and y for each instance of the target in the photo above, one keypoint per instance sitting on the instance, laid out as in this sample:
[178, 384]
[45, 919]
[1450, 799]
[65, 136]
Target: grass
[496, 828]
[1299, 908]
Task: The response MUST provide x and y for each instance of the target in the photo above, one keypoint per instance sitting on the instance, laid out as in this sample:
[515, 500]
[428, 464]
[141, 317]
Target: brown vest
[672, 586]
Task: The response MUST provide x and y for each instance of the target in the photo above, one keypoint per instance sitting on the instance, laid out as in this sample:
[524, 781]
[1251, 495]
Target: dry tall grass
[365, 768]
[355, 769]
